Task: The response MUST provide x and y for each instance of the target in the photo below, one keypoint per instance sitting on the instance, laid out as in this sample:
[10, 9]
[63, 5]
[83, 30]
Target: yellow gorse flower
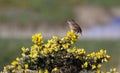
[93, 66]
[17, 59]
[66, 45]
[37, 38]
[97, 71]
[99, 66]
[85, 65]
[55, 69]
[72, 36]
[19, 67]
[40, 71]
[56, 54]
[26, 66]
[6, 67]
[14, 63]
[46, 71]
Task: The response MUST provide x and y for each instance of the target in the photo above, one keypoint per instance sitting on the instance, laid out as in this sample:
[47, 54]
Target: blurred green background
[38, 11]
[28, 15]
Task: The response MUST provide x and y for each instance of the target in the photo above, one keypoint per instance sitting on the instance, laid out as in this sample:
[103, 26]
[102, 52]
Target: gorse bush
[57, 56]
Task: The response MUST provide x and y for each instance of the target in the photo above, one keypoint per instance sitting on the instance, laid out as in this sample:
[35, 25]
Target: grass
[11, 48]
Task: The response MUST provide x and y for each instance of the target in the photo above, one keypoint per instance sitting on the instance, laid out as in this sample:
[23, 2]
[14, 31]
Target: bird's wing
[77, 28]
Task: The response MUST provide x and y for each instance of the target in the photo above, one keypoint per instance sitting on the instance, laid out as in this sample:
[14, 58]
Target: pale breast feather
[71, 26]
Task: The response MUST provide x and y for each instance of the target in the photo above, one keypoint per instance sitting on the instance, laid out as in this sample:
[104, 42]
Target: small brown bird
[74, 26]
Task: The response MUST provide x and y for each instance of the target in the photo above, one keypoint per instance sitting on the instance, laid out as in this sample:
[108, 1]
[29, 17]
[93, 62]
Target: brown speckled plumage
[74, 26]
